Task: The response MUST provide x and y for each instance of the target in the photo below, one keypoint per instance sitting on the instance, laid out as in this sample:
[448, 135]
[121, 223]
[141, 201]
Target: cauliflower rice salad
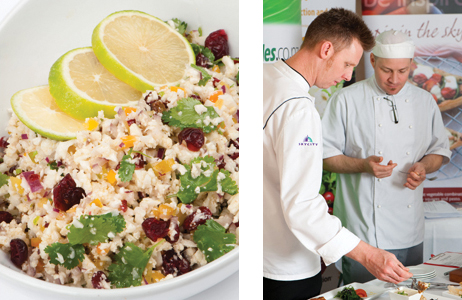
[149, 195]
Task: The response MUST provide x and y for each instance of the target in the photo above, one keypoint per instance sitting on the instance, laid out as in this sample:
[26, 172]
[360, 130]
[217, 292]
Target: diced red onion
[56, 210]
[121, 145]
[223, 88]
[33, 180]
[47, 159]
[24, 136]
[237, 115]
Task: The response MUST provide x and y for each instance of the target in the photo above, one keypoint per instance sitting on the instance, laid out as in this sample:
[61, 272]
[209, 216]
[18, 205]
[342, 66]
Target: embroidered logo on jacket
[307, 141]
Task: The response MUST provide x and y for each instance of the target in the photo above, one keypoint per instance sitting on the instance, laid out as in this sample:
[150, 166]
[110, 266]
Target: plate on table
[447, 294]
[371, 290]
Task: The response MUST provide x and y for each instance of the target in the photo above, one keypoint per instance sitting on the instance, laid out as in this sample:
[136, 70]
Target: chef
[382, 136]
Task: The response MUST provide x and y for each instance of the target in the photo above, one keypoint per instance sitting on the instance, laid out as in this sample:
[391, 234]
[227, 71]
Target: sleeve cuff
[341, 244]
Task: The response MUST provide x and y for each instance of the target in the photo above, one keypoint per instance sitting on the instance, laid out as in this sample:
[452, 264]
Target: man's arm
[380, 263]
[371, 165]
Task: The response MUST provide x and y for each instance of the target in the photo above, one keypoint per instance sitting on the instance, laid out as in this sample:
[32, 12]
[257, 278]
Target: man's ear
[327, 49]
[372, 59]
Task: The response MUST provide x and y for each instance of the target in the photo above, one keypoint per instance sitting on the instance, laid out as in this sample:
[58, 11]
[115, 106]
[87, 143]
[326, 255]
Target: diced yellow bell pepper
[163, 167]
[128, 141]
[156, 276]
[90, 124]
[164, 211]
[16, 184]
[97, 202]
[216, 68]
[42, 202]
[219, 103]
[111, 177]
[35, 242]
[102, 251]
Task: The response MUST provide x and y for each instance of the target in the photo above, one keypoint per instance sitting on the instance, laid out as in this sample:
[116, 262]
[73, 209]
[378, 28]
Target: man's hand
[372, 166]
[416, 175]
[380, 263]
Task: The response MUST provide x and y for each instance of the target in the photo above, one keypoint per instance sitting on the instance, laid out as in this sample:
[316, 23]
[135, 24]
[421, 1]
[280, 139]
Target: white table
[442, 235]
[228, 289]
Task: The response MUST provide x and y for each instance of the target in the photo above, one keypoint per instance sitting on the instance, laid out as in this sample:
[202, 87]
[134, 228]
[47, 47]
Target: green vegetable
[205, 75]
[191, 187]
[3, 179]
[95, 229]
[129, 265]
[348, 293]
[329, 182]
[67, 255]
[212, 239]
[198, 49]
[402, 293]
[127, 168]
[185, 116]
[180, 26]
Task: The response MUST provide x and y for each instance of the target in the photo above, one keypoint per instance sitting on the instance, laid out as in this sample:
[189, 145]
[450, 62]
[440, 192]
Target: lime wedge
[141, 50]
[82, 86]
[37, 109]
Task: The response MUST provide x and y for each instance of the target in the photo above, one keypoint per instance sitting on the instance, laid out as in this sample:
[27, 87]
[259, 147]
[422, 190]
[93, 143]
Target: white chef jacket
[358, 122]
[297, 228]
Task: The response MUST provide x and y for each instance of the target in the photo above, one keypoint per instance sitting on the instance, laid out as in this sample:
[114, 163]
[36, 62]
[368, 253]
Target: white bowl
[32, 38]
[411, 294]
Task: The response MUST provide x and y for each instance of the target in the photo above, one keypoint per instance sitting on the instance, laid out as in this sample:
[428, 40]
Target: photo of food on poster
[437, 68]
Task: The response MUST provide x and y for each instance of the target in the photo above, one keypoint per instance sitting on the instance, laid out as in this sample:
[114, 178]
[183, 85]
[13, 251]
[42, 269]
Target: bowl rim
[16, 275]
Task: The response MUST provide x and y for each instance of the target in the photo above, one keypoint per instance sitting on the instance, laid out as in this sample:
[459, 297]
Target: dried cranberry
[161, 153]
[194, 96]
[19, 252]
[194, 138]
[155, 229]
[124, 206]
[3, 142]
[174, 263]
[66, 194]
[5, 217]
[173, 230]
[215, 81]
[217, 42]
[221, 164]
[202, 60]
[130, 122]
[140, 162]
[197, 218]
[97, 279]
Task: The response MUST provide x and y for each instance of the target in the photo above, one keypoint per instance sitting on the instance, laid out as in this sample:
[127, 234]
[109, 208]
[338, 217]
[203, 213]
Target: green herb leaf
[95, 229]
[180, 26]
[127, 168]
[198, 49]
[3, 179]
[67, 255]
[205, 75]
[227, 184]
[348, 293]
[211, 238]
[129, 265]
[184, 115]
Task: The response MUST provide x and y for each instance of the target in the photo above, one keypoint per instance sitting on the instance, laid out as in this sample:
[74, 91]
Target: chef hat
[393, 44]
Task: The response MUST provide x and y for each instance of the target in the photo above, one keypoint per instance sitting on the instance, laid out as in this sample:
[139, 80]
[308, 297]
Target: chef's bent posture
[297, 229]
[383, 135]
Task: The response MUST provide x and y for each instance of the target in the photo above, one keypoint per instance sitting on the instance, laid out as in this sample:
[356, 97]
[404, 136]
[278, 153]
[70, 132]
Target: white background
[229, 288]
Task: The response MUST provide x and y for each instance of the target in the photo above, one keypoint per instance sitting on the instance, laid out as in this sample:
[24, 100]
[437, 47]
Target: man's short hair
[340, 27]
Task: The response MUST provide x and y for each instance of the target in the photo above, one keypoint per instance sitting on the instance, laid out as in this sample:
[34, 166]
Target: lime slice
[82, 86]
[142, 50]
[37, 109]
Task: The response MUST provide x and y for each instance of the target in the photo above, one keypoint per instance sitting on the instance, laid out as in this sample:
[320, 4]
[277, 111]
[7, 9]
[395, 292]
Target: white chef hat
[393, 44]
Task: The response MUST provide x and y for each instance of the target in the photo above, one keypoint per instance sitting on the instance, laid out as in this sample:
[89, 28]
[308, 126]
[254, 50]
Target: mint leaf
[205, 75]
[211, 238]
[3, 179]
[129, 265]
[185, 116]
[67, 255]
[127, 168]
[95, 229]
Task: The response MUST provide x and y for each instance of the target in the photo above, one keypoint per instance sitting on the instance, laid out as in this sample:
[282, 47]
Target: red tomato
[361, 293]
[329, 196]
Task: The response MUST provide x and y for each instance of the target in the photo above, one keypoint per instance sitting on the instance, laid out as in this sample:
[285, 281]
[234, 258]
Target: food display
[444, 87]
[455, 290]
[349, 293]
[455, 138]
[137, 190]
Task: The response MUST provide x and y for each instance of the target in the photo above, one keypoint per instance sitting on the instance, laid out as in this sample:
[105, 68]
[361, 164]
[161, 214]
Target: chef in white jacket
[297, 228]
[383, 135]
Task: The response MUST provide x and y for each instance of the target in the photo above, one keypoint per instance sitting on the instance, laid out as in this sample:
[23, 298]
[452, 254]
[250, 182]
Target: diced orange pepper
[234, 120]
[163, 167]
[97, 202]
[164, 211]
[129, 110]
[111, 177]
[219, 103]
[128, 141]
[216, 68]
[72, 209]
[35, 242]
[214, 96]
[157, 276]
[176, 88]
[42, 202]
[90, 124]
[16, 183]
[102, 251]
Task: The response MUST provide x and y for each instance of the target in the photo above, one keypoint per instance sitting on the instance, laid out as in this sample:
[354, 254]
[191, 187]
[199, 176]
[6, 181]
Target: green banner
[282, 11]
